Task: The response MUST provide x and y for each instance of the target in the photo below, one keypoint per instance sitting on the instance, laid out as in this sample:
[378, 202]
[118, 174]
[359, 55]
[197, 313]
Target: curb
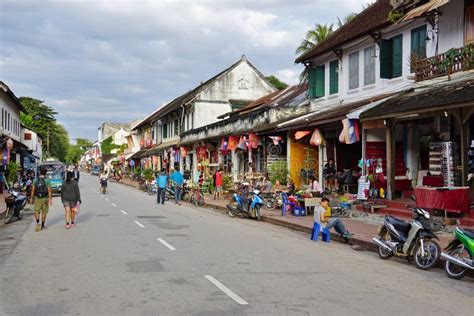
[366, 245]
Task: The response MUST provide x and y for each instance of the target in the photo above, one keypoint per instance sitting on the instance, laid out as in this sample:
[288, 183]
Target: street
[129, 256]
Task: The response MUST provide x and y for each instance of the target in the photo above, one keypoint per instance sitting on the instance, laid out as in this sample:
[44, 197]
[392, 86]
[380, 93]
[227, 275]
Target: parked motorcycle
[15, 202]
[415, 239]
[246, 207]
[460, 255]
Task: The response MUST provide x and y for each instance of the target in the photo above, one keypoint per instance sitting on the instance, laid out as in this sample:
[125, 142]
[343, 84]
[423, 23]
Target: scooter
[415, 239]
[246, 207]
[15, 202]
[460, 255]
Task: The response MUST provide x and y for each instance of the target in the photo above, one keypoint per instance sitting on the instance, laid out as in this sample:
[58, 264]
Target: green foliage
[137, 171]
[280, 85]
[147, 174]
[278, 171]
[313, 37]
[395, 15]
[12, 172]
[75, 152]
[41, 119]
[108, 145]
[227, 183]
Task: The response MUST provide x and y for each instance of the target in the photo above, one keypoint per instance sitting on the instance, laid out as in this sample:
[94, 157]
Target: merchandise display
[444, 160]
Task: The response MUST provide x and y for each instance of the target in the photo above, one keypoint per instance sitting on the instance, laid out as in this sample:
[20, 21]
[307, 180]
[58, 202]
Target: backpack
[41, 190]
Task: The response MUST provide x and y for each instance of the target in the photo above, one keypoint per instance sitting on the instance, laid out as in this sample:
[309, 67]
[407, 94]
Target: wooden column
[364, 150]
[390, 143]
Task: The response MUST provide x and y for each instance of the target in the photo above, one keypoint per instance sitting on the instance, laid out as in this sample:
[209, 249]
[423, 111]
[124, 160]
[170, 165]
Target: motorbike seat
[468, 232]
[398, 222]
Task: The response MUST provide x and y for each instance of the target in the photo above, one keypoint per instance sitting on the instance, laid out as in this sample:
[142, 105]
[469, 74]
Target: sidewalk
[364, 228]
[363, 231]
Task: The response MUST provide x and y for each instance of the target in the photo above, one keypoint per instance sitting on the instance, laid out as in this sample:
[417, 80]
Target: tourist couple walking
[42, 198]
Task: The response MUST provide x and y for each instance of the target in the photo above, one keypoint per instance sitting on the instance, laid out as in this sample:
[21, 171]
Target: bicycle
[197, 197]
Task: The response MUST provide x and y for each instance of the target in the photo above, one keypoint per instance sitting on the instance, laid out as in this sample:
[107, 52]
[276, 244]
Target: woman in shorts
[70, 196]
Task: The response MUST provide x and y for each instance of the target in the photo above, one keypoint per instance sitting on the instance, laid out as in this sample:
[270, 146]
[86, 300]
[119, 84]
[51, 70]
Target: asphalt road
[129, 256]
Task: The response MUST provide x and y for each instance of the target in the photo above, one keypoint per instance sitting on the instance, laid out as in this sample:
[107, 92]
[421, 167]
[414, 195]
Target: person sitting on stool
[322, 216]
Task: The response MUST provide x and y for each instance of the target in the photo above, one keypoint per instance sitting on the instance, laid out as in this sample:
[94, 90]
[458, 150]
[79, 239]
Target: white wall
[9, 117]
[206, 113]
[451, 34]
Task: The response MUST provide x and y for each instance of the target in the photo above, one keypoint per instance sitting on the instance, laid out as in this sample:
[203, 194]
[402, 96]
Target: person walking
[41, 196]
[70, 197]
[177, 180]
[322, 216]
[161, 182]
[218, 184]
[77, 174]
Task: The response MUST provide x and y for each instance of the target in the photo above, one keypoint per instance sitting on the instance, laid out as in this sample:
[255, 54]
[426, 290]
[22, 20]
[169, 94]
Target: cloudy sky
[119, 60]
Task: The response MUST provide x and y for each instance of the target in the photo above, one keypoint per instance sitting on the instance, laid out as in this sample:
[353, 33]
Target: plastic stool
[315, 232]
[325, 235]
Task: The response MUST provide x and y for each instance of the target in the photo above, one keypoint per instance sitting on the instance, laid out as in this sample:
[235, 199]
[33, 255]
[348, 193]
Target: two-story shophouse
[231, 89]
[368, 62]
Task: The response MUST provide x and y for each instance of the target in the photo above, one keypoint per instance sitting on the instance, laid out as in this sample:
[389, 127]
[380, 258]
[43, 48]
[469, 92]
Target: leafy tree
[280, 85]
[108, 145]
[83, 143]
[278, 171]
[313, 37]
[41, 118]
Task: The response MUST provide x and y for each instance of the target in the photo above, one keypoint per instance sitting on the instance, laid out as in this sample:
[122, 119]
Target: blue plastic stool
[315, 232]
[325, 235]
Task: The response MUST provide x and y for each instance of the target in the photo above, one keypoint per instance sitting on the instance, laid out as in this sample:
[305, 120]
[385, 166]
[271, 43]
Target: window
[418, 43]
[391, 57]
[176, 127]
[369, 65]
[354, 70]
[334, 77]
[3, 126]
[9, 121]
[165, 131]
[316, 82]
[27, 136]
[469, 22]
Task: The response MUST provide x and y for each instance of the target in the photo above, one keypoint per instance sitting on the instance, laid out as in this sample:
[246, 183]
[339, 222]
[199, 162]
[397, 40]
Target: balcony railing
[454, 60]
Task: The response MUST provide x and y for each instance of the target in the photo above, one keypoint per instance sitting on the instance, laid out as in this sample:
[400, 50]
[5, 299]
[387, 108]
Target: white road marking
[139, 224]
[226, 290]
[107, 200]
[166, 244]
[114, 205]
[124, 213]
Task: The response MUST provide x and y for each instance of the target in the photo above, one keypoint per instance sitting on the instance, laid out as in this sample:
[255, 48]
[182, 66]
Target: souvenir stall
[304, 153]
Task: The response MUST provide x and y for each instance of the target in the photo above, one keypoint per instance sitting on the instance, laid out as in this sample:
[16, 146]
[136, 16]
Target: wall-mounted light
[428, 38]
[445, 113]
[384, 122]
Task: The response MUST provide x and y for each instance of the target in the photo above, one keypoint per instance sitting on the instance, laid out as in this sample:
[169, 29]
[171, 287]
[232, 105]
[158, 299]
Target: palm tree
[313, 37]
[346, 19]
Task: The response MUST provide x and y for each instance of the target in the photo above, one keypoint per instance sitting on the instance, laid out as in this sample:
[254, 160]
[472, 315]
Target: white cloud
[103, 60]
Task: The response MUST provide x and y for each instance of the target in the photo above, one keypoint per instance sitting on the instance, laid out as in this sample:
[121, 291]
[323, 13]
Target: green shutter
[386, 59]
[320, 81]
[397, 57]
[333, 77]
[312, 83]
[418, 43]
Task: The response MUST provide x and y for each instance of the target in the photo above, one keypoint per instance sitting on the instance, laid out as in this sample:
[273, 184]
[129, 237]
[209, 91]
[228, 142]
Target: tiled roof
[366, 22]
[428, 97]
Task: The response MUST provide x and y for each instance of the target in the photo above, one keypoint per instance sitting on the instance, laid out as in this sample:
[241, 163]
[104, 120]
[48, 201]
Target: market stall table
[449, 199]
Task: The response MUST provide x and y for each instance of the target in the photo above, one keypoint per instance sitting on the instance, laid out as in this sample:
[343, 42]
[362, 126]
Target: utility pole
[47, 140]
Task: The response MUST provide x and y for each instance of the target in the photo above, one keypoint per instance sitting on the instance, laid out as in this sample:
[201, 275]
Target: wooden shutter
[469, 24]
[319, 81]
[386, 59]
[334, 77]
[312, 83]
[418, 43]
[397, 57]
[354, 70]
[369, 66]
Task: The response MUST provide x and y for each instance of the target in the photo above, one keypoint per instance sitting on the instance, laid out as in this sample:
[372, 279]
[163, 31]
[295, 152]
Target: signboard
[363, 188]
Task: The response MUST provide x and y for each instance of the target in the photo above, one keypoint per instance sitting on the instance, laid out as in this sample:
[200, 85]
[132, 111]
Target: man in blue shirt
[177, 181]
[161, 182]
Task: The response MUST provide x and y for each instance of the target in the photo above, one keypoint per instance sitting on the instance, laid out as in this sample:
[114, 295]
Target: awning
[138, 154]
[356, 113]
[155, 150]
[429, 6]
[127, 157]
